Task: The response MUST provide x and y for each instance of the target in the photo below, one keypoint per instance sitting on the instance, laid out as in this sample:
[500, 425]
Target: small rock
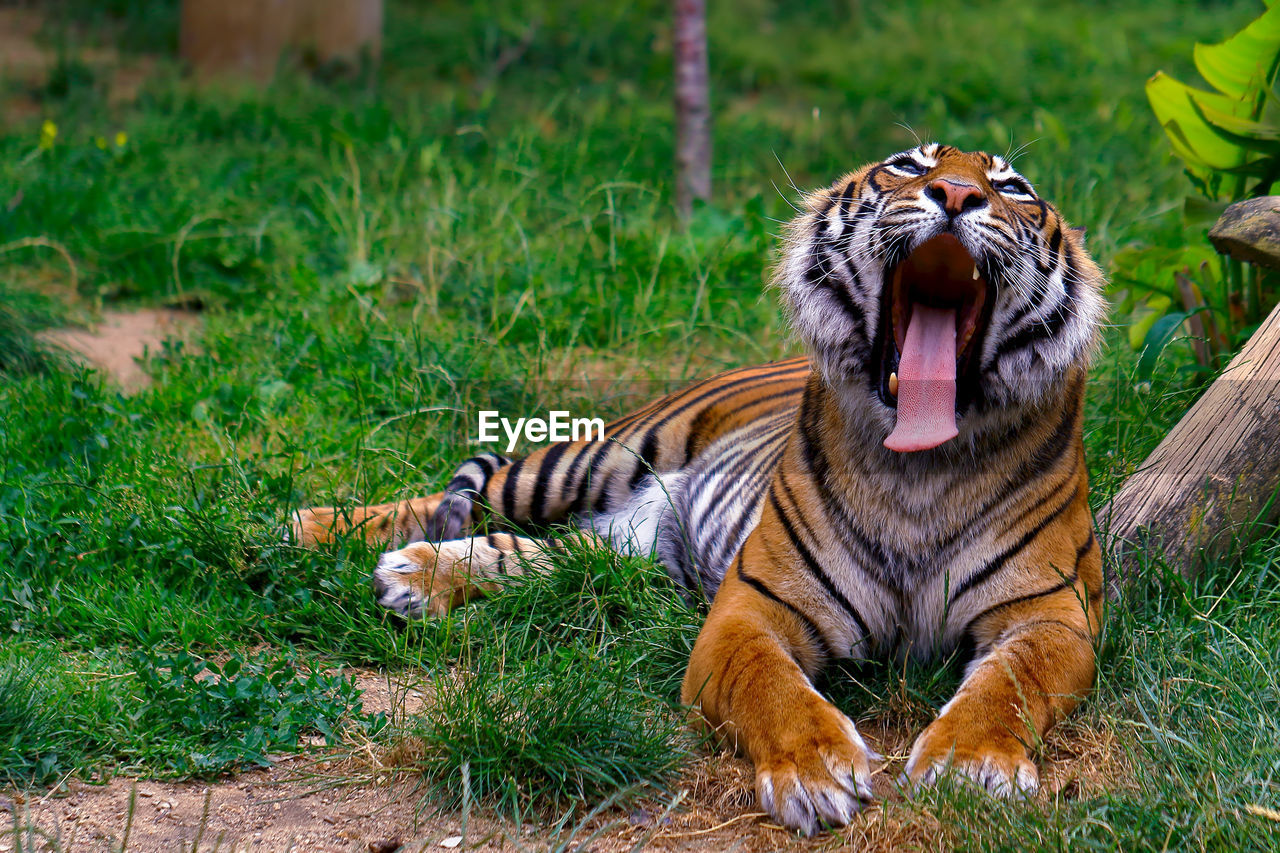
[451, 842]
[388, 845]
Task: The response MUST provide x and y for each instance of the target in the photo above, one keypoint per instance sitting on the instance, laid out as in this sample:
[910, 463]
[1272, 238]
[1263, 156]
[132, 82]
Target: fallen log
[1213, 479]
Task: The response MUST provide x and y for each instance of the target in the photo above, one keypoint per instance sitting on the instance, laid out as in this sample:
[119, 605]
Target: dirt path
[356, 803]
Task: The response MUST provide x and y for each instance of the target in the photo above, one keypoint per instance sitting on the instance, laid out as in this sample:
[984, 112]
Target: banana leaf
[1237, 66]
[1194, 140]
[1255, 136]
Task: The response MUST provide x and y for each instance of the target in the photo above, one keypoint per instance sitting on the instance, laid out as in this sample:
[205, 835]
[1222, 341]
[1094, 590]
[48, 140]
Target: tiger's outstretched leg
[387, 524]
[580, 477]
[1039, 665]
[434, 577]
[751, 676]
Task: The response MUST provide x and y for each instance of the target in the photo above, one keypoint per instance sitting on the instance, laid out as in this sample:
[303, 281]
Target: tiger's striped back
[573, 478]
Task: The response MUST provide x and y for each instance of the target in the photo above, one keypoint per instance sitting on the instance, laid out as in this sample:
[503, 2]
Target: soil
[356, 802]
[121, 339]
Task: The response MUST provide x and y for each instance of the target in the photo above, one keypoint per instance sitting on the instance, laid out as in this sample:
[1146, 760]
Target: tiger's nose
[955, 198]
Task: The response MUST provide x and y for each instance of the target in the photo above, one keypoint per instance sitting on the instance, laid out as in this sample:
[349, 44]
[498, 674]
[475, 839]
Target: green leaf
[1157, 338]
[1247, 134]
[1194, 140]
[1237, 66]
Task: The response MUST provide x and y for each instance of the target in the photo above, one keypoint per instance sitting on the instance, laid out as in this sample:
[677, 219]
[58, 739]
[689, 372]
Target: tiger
[914, 486]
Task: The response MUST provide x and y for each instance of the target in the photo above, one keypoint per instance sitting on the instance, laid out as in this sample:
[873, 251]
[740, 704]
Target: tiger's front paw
[989, 755]
[423, 578]
[817, 773]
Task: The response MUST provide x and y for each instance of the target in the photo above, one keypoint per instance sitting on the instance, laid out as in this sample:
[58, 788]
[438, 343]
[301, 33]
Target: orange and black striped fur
[770, 490]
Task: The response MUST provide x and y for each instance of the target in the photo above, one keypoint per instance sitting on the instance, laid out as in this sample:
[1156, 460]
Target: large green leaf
[1250, 135]
[1194, 140]
[1263, 131]
[1237, 66]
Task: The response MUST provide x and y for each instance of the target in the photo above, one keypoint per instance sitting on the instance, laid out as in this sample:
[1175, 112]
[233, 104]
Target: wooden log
[1214, 476]
[242, 38]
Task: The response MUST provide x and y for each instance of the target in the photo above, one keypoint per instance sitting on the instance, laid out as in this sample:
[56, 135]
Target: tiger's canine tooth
[975, 272]
[893, 384]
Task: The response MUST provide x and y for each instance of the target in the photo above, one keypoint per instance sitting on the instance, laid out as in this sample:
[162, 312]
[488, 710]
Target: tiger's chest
[889, 570]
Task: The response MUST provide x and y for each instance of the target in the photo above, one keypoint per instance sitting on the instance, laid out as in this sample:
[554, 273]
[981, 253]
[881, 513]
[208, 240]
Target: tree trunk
[345, 31]
[1215, 475]
[238, 37]
[249, 37]
[693, 106]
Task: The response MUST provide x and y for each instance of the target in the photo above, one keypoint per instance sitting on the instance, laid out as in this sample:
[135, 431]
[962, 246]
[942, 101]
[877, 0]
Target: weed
[213, 717]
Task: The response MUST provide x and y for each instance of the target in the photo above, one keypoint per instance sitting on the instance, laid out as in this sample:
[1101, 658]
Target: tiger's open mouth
[935, 310]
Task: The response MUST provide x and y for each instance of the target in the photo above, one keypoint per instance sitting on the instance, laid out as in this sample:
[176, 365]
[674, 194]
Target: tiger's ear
[1079, 234]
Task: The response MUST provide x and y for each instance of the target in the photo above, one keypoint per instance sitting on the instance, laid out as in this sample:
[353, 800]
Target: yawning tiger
[915, 485]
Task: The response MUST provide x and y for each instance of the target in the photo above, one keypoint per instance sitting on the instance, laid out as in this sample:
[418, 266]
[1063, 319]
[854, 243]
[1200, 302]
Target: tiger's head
[939, 293]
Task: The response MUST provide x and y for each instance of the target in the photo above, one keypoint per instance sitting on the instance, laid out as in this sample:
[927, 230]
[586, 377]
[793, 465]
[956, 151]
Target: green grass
[377, 260]
[564, 685]
[161, 713]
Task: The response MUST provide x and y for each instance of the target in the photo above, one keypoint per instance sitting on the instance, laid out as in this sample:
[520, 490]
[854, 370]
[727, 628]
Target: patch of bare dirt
[121, 339]
[381, 693]
[285, 807]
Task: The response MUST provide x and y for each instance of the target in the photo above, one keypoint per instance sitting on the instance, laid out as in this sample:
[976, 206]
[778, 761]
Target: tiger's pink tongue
[926, 381]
